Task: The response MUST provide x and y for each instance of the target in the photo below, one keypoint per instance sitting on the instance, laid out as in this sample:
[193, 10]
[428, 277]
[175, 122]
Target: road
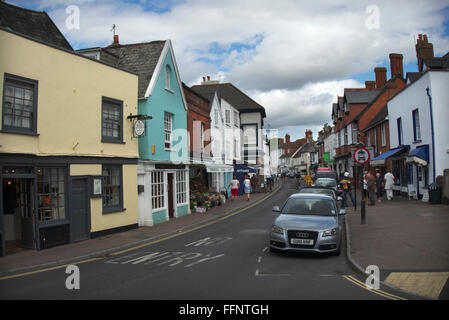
[228, 259]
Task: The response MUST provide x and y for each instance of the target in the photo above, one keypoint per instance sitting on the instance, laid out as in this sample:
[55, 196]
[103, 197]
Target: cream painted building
[68, 157]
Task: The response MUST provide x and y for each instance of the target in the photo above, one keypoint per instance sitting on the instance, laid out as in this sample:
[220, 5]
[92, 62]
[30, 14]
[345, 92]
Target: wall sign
[97, 187]
[139, 128]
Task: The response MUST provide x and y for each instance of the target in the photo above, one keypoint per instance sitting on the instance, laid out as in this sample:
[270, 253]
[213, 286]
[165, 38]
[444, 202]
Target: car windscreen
[309, 206]
[324, 182]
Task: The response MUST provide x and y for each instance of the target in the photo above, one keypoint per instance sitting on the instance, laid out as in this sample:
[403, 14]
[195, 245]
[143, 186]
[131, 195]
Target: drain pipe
[433, 135]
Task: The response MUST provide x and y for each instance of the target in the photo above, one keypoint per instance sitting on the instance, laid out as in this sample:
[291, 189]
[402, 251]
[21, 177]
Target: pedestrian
[346, 184]
[253, 183]
[379, 186]
[247, 187]
[389, 181]
[371, 188]
[234, 185]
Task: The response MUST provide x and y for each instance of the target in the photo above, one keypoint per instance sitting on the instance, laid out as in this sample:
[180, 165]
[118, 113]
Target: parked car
[307, 222]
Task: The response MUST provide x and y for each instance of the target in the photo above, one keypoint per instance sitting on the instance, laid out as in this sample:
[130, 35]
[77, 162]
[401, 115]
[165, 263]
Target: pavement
[31, 260]
[408, 240]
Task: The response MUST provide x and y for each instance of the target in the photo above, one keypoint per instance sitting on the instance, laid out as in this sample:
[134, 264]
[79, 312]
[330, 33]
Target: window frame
[168, 131]
[181, 187]
[159, 197]
[119, 105]
[112, 208]
[236, 119]
[400, 136]
[416, 125]
[26, 81]
[168, 78]
[228, 117]
[383, 132]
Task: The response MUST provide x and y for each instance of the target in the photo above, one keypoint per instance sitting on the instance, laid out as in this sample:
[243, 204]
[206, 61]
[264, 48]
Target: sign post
[361, 156]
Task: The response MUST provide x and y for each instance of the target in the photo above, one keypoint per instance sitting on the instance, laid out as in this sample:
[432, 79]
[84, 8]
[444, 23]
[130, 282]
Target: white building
[418, 121]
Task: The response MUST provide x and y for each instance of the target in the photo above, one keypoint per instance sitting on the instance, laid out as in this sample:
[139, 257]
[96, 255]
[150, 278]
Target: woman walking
[234, 185]
[247, 187]
[389, 181]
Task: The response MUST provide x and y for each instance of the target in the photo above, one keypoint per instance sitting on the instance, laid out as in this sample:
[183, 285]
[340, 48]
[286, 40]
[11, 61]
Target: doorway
[171, 207]
[80, 210]
[18, 214]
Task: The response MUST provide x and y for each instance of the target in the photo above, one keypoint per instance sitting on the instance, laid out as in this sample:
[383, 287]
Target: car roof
[305, 189]
[311, 195]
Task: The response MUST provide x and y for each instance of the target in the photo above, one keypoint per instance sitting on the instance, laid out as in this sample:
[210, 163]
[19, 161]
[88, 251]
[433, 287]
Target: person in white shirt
[234, 185]
[389, 181]
[247, 186]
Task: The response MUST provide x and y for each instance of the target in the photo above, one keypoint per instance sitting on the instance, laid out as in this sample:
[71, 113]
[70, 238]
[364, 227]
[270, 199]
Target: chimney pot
[370, 85]
[208, 78]
[204, 79]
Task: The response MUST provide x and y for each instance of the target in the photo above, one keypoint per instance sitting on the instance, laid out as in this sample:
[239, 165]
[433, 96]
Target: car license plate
[302, 241]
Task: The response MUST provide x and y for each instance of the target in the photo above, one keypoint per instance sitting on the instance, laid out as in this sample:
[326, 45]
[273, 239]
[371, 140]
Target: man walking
[389, 181]
[346, 183]
[371, 188]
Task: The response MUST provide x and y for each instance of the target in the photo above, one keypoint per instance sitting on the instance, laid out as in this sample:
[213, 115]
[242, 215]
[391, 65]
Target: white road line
[259, 260]
[265, 249]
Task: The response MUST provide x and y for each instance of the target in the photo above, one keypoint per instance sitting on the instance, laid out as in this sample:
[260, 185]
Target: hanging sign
[139, 128]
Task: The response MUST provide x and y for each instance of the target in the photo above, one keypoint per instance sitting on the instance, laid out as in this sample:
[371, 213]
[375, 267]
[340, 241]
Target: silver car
[307, 223]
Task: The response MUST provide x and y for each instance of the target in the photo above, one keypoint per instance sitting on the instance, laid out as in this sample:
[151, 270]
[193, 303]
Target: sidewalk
[28, 260]
[407, 239]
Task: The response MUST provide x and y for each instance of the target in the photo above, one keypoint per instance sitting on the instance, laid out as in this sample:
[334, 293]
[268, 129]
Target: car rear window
[309, 206]
[324, 182]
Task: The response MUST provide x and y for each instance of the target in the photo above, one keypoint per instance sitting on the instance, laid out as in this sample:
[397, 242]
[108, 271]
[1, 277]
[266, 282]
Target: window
[228, 117]
[346, 136]
[157, 190]
[416, 127]
[339, 138]
[345, 106]
[202, 138]
[112, 119]
[51, 193]
[400, 137]
[236, 118]
[368, 141]
[355, 134]
[167, 78]
[216, 117]
[168, 127]
[181, 190]
[384, 134]
[235, 148]
[19, 105]
[113, 191]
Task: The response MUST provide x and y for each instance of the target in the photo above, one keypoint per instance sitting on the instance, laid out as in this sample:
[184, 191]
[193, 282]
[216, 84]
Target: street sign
[361, 155]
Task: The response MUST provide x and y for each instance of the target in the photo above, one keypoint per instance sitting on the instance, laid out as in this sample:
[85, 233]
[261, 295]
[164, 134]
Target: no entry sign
[361, 155]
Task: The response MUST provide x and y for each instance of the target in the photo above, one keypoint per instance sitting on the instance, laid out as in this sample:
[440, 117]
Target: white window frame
[158, 191]
[181, 188]
[168, 78]
[384, 134]
[228, 117]
[168, 129]
[236, 118]
[416, 124]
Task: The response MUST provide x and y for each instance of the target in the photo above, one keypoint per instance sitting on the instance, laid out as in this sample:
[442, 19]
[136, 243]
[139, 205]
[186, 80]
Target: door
[26, 209]
[80, 210]
[171, 208]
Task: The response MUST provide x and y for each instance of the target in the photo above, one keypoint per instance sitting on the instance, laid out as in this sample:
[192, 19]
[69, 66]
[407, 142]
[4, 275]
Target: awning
[213, 168]
[419, 156]
[241, 168]
[380, 160]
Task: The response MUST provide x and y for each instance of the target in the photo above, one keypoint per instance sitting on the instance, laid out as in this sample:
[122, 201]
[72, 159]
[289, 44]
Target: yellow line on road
[376, 291]
[48, 269]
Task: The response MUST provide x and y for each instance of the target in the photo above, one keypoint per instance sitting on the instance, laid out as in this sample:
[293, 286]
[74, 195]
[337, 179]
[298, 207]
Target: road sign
[361, 155]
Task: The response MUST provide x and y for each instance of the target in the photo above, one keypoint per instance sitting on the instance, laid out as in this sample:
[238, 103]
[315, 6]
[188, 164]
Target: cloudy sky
[293, 57]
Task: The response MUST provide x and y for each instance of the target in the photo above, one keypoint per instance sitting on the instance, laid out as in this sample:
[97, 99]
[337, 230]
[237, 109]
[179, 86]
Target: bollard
[363, 211]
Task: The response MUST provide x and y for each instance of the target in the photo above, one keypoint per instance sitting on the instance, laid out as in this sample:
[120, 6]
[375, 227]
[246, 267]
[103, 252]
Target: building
[276, 151]
[163, 171]
[418, 123]
[248, 118]
[68, 158]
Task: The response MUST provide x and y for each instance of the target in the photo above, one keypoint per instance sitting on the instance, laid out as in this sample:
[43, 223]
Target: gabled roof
[412, 76]
[34, 24]
[360, 96]
[141, 58]
[231, 94]
[438, 63]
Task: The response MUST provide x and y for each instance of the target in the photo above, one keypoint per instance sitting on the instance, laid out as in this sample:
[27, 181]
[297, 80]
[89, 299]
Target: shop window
[51, 194]
[157, 190]
[181, 187]
[113, 190]
[19, 105]
[112, 119]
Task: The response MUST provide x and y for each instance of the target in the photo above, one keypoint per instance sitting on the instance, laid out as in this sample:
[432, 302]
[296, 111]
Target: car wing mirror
[339, 198]
[276, 209]
[342, 212]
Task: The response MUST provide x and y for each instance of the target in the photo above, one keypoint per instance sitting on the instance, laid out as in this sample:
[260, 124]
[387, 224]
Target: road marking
[48, 269]
[259, 260]
[378, 292]
[265, 249]
[208, 241]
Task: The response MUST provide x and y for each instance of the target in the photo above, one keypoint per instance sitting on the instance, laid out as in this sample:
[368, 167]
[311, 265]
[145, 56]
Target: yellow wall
[69, 100]
[70, 93]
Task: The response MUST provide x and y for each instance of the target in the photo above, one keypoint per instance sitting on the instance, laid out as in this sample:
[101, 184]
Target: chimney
[208, 78]
[287, 138]
[381, 77]
[424, 50]
[204, 79]
[370, 85]
[309, 135]
[115, 39]
[396, 64]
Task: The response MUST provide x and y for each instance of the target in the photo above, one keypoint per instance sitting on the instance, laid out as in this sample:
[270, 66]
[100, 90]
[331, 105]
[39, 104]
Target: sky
[292, 57]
